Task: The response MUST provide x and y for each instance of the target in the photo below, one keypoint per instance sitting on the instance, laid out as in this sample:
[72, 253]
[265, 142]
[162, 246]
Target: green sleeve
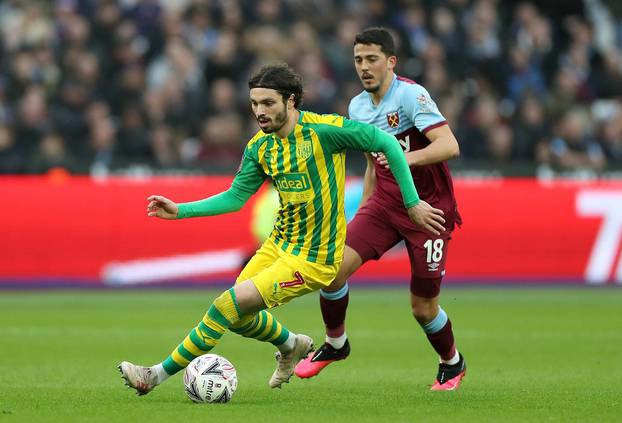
[247, 181]
[365, 137]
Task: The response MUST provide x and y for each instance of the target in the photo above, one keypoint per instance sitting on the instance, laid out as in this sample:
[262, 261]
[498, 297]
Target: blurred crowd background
[160, 86]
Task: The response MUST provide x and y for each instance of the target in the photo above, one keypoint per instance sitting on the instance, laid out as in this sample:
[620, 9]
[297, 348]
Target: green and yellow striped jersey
[308, 170]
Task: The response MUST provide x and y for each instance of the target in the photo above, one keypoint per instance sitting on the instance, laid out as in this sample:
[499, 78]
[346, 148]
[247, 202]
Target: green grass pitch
[533, 355]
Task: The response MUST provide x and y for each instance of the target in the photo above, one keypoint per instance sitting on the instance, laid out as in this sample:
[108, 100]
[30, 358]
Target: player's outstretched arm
[247, 181]
[225, 202]
[161, 207]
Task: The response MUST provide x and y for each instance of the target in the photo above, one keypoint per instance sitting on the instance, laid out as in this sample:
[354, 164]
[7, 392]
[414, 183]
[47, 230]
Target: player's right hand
[162, 207]
[427, 217]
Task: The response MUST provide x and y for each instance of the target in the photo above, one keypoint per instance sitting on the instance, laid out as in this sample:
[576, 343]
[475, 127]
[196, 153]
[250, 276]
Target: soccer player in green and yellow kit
[304, 155]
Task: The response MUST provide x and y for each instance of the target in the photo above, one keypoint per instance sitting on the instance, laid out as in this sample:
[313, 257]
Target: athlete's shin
[334, 306]
[223, 312]
[440, 335]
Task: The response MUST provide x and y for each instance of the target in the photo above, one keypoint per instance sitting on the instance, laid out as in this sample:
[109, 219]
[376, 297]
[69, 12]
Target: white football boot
[286, 363]
[143, 379]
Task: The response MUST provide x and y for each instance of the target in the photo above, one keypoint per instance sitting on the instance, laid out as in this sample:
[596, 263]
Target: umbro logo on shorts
[298, 281]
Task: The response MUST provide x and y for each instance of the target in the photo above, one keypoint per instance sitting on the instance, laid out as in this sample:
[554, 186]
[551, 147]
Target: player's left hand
[162, 207]
[382, 160]
[427, 217]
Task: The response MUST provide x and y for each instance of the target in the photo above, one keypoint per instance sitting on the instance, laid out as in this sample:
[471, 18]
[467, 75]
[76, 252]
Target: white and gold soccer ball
[210, 378]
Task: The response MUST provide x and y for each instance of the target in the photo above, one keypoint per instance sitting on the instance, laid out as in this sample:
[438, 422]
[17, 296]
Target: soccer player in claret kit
[404, 109]
[304, 155]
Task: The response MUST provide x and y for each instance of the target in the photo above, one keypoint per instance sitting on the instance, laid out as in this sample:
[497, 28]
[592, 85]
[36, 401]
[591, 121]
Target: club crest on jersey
[304, 149]
[393, 119]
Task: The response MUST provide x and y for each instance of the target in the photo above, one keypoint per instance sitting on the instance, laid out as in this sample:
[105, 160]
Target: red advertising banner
[78, 230]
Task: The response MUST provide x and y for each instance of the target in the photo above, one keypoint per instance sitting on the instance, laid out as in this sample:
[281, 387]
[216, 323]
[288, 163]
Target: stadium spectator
[169, 59]
[164, 147]
[474, 140]
[574, 147]
[51, 154]
[11, 161]
[220, 141]
[530, 129]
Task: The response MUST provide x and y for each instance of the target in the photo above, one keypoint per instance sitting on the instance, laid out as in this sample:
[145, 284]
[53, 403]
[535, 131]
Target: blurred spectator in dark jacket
[68, 113]
[11, 159]
[339, 51]
[574, 148]
[608, 115]
[606, 77]
[221, 143]
[33, 120]
[133, 138]
[530, 129]
[101, 146]
[164, 147]
[474, 139]
[51, 154]
[500, 143]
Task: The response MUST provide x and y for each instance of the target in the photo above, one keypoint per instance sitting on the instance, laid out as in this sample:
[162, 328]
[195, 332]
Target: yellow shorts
[280, 277]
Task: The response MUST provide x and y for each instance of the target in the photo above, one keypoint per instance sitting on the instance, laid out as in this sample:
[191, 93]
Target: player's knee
[247, 297]
[424, 311]
[335, 285]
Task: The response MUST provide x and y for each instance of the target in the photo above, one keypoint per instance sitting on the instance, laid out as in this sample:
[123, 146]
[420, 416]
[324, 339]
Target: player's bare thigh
[351, 262]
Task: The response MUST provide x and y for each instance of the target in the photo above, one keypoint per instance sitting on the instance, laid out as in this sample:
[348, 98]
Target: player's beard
[279, 120]
[373, 88]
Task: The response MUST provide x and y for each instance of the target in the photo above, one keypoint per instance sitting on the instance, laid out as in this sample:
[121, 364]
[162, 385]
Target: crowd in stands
[100, 86]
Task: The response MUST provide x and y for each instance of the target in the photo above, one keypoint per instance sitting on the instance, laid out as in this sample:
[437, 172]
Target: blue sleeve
[420, 108]
[351, 110]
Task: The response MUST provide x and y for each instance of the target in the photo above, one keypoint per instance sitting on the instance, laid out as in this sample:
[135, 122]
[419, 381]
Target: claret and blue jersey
[408, 112]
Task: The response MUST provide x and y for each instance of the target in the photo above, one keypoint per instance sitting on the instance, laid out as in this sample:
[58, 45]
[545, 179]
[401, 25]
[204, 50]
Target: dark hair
[279, 77]
[379, 36]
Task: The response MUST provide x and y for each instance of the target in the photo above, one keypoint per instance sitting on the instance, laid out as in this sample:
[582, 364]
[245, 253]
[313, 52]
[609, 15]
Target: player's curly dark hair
[279, 77]
[379, 36]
